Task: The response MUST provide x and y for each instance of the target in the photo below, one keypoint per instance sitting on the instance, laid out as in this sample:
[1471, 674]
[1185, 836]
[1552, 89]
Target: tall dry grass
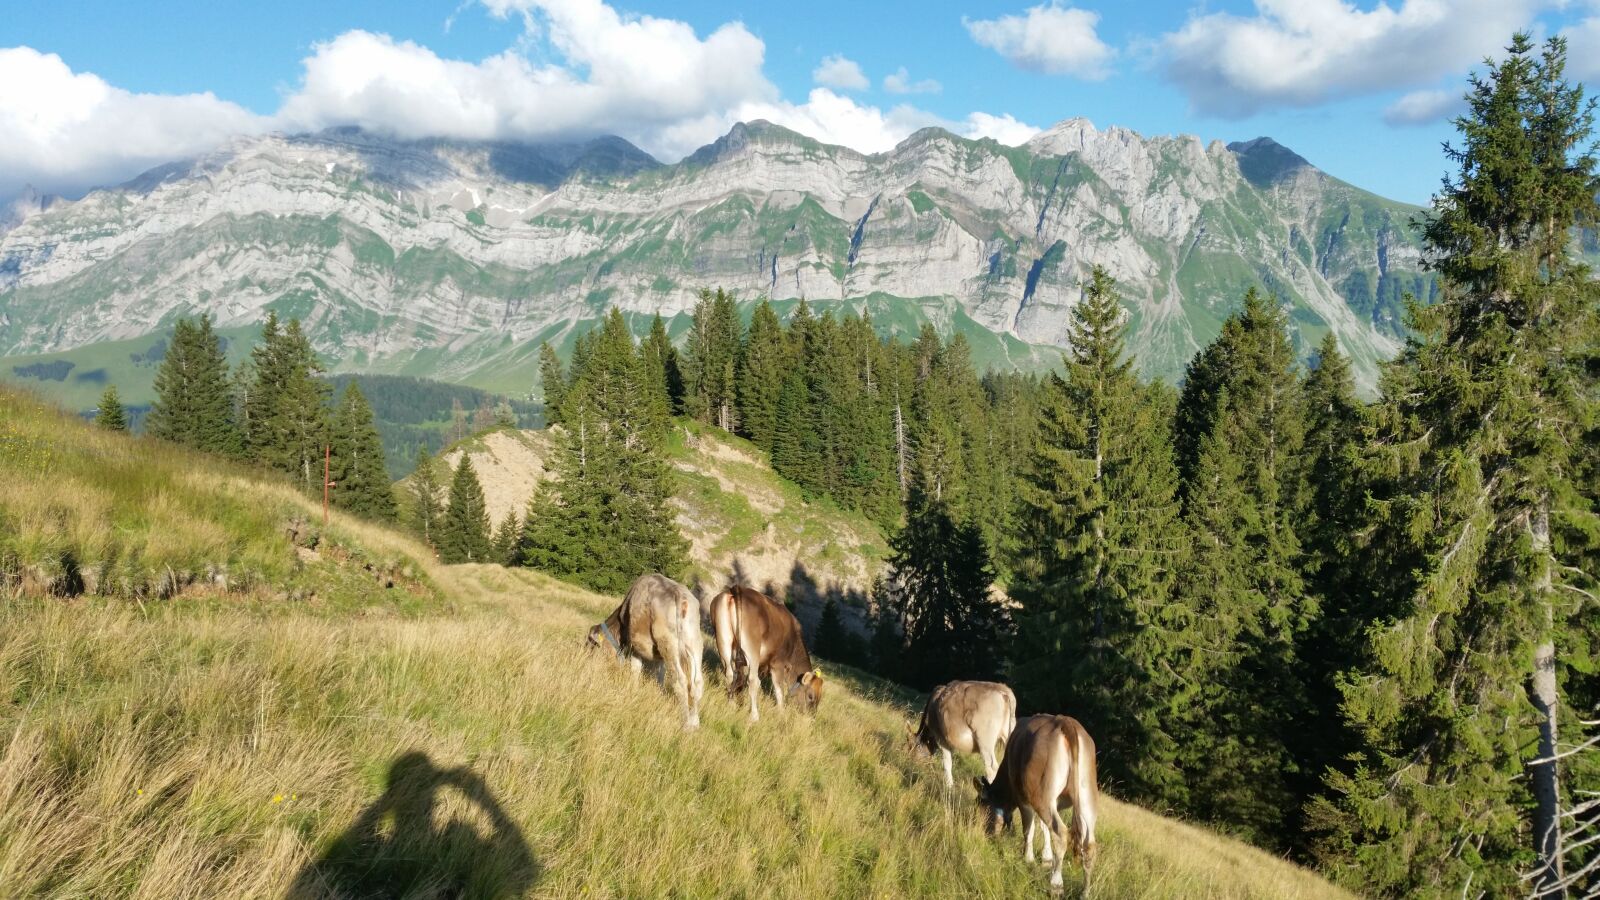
[447, 739]
[202, 750]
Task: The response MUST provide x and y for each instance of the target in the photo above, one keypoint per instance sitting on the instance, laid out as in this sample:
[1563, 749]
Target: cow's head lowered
[996, 801]
[919, 738]
[807, 690]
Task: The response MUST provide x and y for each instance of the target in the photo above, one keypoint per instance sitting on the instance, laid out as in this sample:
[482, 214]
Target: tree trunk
[1546, 774]
[900, 444]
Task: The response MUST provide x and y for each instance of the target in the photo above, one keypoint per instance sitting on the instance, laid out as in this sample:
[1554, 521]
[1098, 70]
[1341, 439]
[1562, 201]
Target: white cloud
[1005, 129]
[1296, 53]
[1054, 39]
[899, 82]
[1583, 48]
[1424, 107]
[838, 72]
[65, 131]
[627, 75]
[581, 69]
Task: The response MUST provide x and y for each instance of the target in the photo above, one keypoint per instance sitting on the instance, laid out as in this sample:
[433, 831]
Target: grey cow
[967, 717]
[659, 623]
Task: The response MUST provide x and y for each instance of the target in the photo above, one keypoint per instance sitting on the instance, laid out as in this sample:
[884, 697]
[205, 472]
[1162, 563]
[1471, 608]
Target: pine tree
[830, 641]
[554, 381]
[954, 626]
[508, 541]
[1484, 521]
[660, 363]
[1098, 632]
[426, 502]
[109, 413]
[464, 527]
[194, 403]
[710, 359]
[287, 406]
[1333, 517]
[607, 518]
[764, 366]
[358, 472]
[1243, 580]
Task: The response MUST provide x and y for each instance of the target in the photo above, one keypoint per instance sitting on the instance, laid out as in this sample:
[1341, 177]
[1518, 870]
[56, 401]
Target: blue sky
[96, 91]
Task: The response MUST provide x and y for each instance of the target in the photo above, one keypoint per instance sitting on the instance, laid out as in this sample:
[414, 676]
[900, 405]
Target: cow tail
[1083, 799]
[741, 663]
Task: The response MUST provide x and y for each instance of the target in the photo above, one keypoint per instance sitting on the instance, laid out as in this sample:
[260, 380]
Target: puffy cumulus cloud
[65, 131]
[838, 72]
[1054, 39]
[581, 69]
[1583, 48]
[899, 82]
[1297, 53]
[627, 75]
[1005, 129]
[1424, 107]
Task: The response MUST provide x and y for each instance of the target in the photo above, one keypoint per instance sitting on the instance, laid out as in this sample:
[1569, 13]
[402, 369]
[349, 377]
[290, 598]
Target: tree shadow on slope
[398, 848]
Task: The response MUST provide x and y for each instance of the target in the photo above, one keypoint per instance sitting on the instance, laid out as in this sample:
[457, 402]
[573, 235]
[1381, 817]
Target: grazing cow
[757, 635]
[966, 717]
[1046, 757]
[659, 623]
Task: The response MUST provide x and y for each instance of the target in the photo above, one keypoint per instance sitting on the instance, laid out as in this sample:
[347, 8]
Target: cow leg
[989, 765]
[1060, 830]
[949, 779]
[637, 665]
[1027, 829]
[777, 693]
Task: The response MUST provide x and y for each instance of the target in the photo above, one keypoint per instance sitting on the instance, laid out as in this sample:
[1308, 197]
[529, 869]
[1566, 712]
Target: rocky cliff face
[450, 259]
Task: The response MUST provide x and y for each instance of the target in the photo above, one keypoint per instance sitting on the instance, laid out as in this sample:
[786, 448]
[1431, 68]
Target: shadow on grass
[395, 848]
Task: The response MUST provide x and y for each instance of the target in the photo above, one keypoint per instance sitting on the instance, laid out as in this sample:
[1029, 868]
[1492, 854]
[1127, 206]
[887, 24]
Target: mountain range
[453, 259]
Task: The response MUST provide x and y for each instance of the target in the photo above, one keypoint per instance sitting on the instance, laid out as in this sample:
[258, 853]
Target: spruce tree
[710, 360]
[1485, 522]
[607, 517]
[426, 499]
[287, 406]
[109, 413]
[660, 362]
[831, 640]
[357, 467]
[763, 367]
[194, 403]
[1243, 580]
[1098, 633]
[954, 626]
[508, 541]
[464, 527]
[554, 381]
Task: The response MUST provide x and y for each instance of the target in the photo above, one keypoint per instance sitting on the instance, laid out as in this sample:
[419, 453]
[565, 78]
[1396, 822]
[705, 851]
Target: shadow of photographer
[395, 848]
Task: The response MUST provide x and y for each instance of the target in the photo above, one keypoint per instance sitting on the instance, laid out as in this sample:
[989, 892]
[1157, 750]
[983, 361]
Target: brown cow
[1046, 757]
[755, 632]
[967, 717]
[659, 623]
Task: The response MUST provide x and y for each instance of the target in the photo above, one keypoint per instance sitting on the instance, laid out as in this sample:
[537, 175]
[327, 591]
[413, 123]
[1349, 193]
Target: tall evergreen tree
[1484, 521]
[554, 381]
[194, 404]
[1098, 633]
[109, 413]
[464, 527]
[710, 360]
[287, 406]
[358, 471]
[954, 626]
[763, 367]
[607, 518]
[1243, 580]
[660, 362]
[426, 500]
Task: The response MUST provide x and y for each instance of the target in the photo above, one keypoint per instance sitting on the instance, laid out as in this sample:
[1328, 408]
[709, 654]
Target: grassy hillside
[318, 732]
